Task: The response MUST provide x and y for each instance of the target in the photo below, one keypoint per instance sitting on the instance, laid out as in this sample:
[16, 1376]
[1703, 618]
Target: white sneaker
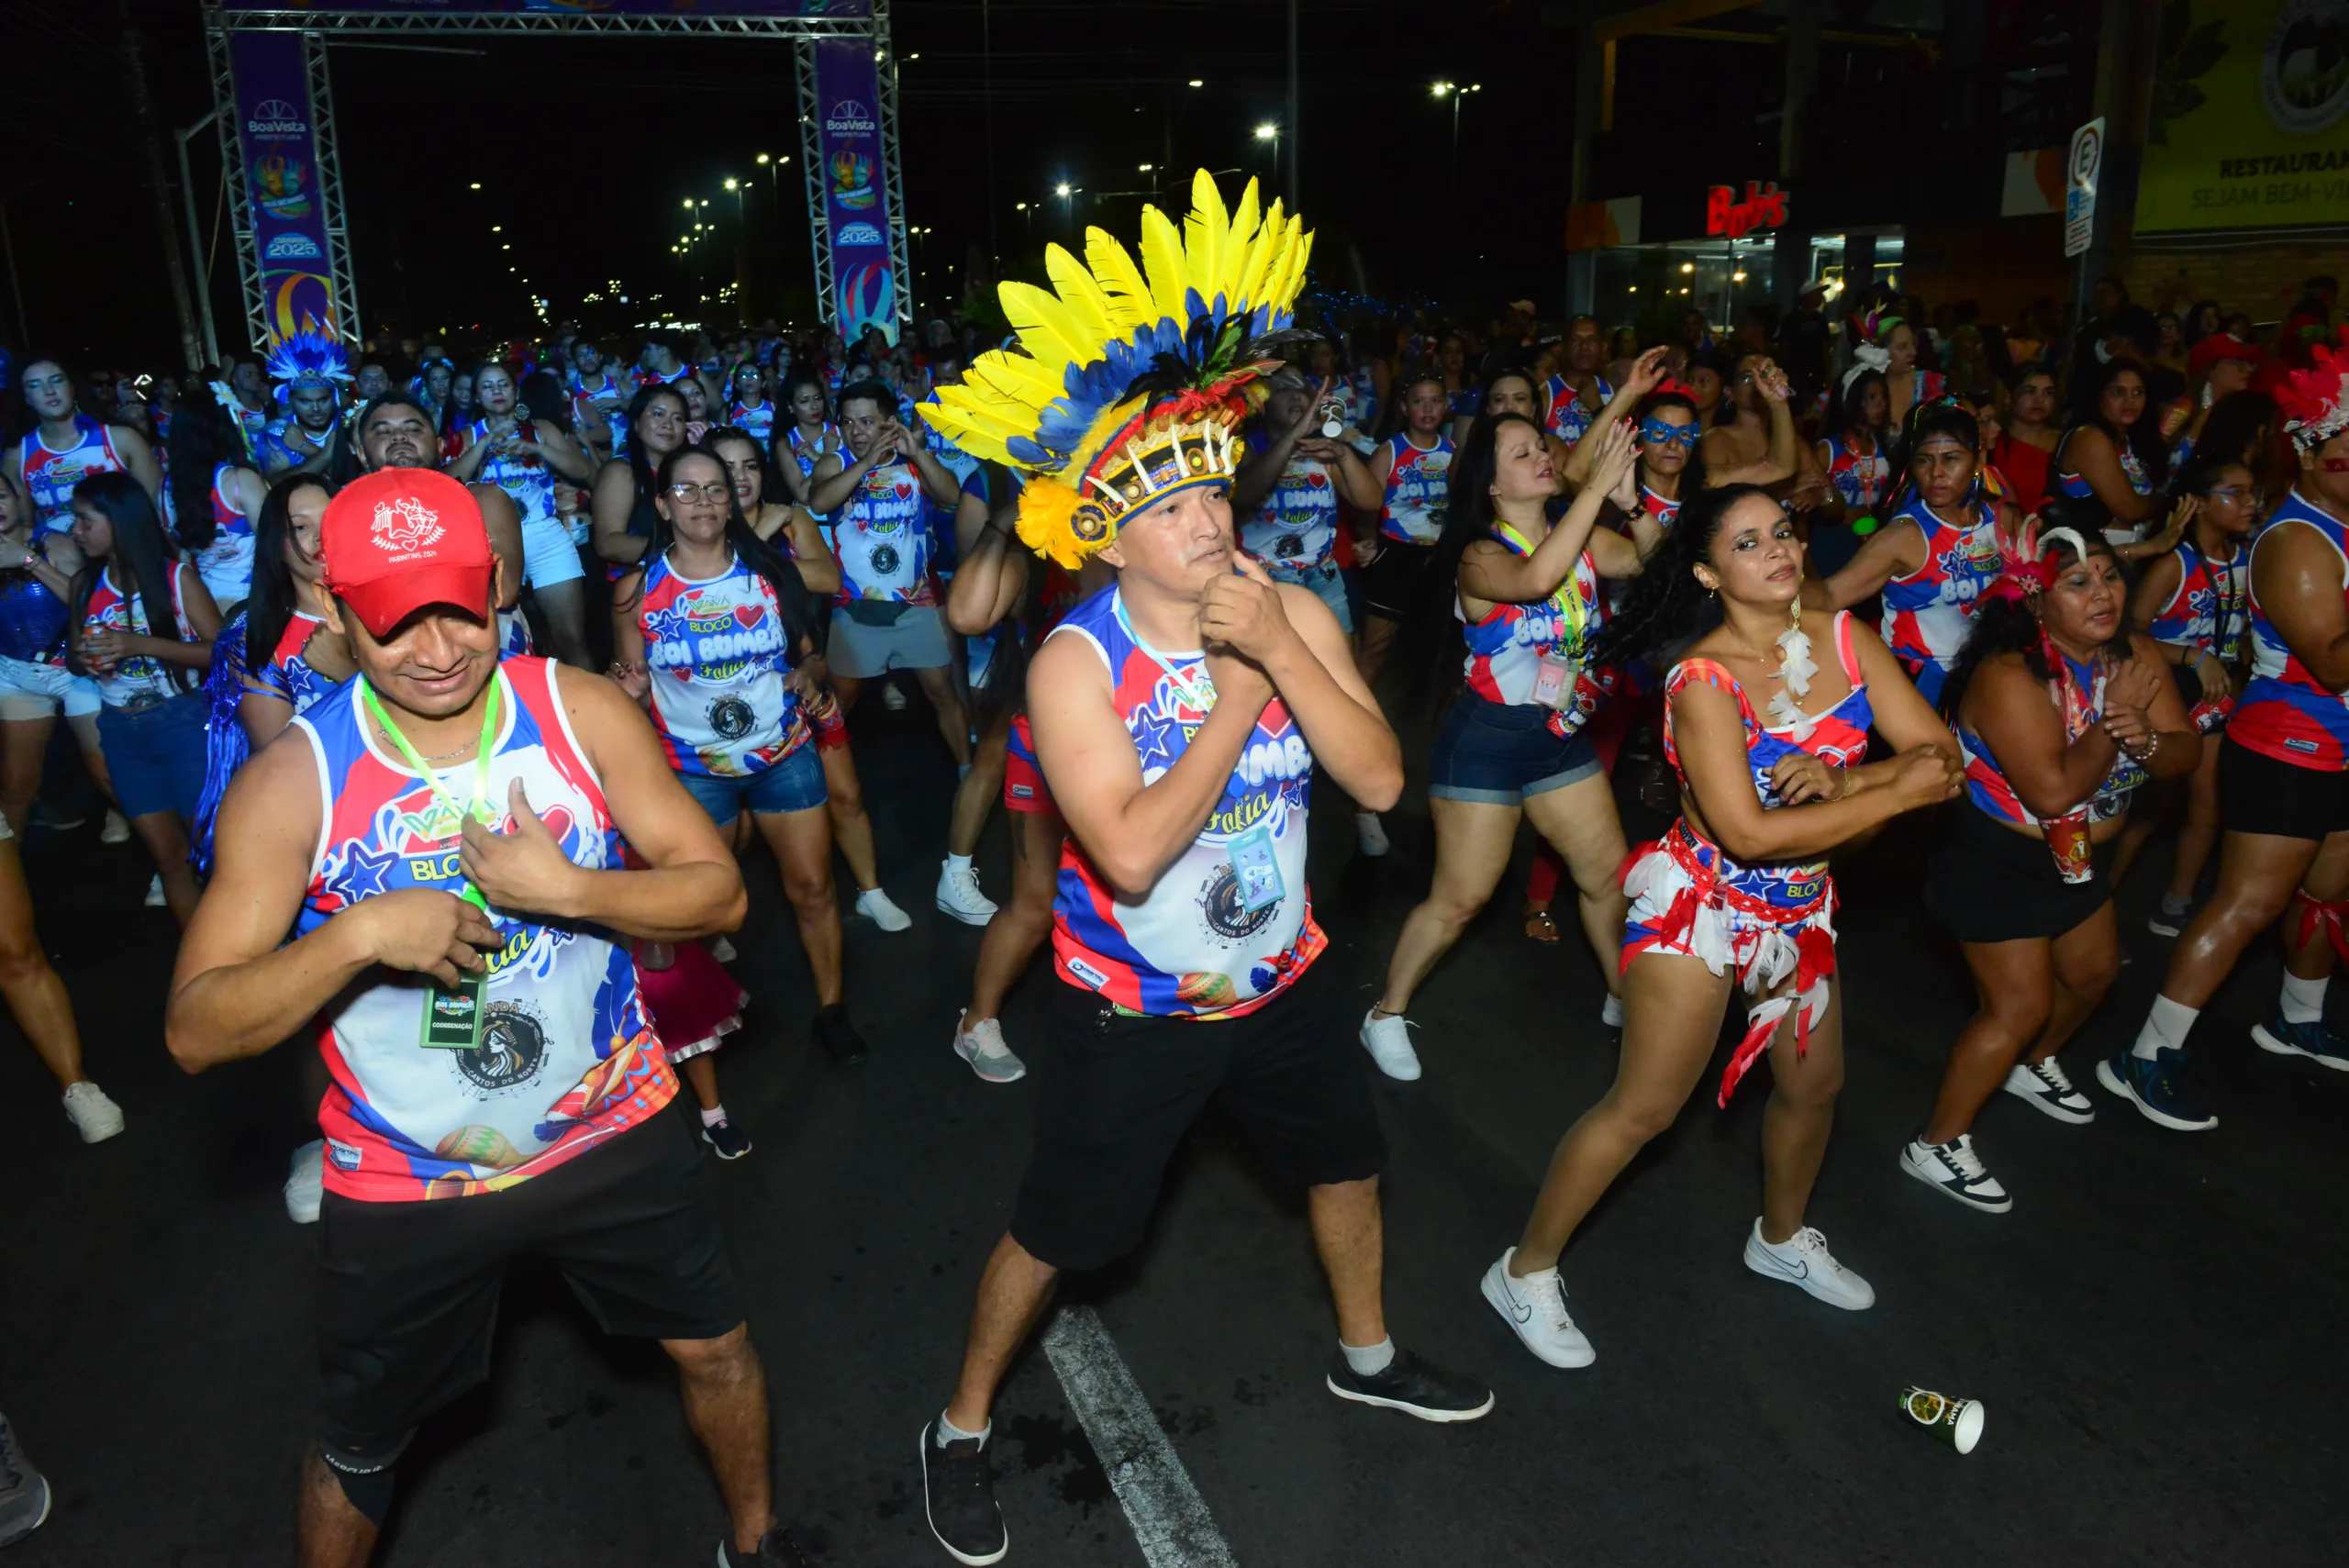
[95, 1118]
[1535, 1307]
[1955, 1169]
[721, 949]
[892, 698]
[1388, 1040]
[1610, 1012]
[116, 830]
[959, 894]
[305, 1184]
[155, 899]
[982, 1046]
[1803, 1258]
[1371, 834]
[875, 906]
[2048, 1087]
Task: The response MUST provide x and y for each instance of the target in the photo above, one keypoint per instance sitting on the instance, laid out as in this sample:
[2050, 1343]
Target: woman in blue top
[37, 568]
[2112, 454]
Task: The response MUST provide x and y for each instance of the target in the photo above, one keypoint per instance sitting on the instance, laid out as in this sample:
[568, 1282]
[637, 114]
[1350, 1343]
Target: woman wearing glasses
[713, 637]
[2195, 603]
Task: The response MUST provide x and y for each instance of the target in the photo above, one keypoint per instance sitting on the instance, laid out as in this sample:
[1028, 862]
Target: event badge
[453, 1017]
[1258, 869]
[1554, 681]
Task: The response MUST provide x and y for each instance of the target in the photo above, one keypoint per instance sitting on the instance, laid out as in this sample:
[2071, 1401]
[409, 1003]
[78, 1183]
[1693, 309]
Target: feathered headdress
[307, 358]
[2315, 402]
[1130, 380]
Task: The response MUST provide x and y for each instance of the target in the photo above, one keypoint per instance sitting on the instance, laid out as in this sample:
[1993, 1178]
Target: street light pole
[196, 257]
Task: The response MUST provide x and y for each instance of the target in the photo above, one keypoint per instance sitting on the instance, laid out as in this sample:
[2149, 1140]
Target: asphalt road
[2155, 1330]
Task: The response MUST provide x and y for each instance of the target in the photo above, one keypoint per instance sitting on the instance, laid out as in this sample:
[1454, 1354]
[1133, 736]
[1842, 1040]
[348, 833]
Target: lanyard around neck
[1569, 603]
[1191, 682]
[480, 809]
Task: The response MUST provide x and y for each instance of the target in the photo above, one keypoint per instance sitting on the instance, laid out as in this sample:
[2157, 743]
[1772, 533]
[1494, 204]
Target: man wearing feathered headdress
[2283, 776]
[1177, 716]
[310, 370]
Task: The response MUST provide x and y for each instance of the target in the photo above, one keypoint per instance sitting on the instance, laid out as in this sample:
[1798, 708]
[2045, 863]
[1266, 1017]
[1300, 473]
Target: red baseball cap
[398, 539]
[2216, 346]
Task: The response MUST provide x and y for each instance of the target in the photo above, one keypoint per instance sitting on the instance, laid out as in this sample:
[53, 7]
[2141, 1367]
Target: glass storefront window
[1653, 288]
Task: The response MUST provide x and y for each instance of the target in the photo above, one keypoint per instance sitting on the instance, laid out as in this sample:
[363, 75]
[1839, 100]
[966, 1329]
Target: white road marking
[1170, 1519]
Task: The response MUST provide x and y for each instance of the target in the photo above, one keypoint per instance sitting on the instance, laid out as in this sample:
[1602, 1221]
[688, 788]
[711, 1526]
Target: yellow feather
[1204, 232]
[1017, 378]
[1162, 256]
[1130, 302]
[1084, 297]
[1245, 221]
[1046, 327]
[1249, 289]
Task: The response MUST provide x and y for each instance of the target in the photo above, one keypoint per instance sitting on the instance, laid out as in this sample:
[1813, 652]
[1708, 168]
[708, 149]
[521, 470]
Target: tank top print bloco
[1202, 943]
[567, 1057]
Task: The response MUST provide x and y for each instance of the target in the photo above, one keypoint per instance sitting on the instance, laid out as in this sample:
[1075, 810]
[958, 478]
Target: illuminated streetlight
[1441, 88]
[1021, 207]
[1145, 168]
[497, 228]
[1688, 266]
[689, 204]
[1197, 82]
[764, 159]
[1060, 190]
[1267, 131]
[475, 185]
[1737, 277]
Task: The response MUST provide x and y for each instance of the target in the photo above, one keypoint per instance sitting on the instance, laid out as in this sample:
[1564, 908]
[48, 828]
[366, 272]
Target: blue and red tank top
[1419, 489]
[1860, 478]
[1507, 645]
[1296, 528]
[50, 476]
[1190, 946]
[1839, 737]
[226, 564]
[757, 419]
[605, 402]
[1928, 612]
[1564, 415]
[1986, 782]
[2285, 712]
[137, 681]
[882, 536]
[718, 651]
[2210, 610]
[525, 478]
[568, 1056]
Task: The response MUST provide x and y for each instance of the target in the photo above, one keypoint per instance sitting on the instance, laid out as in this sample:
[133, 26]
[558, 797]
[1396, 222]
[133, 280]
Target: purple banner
[584, 7]
[856, 190]
[278, 135]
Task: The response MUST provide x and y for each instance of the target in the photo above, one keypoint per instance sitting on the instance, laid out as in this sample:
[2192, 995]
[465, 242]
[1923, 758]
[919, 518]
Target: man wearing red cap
[443, 837]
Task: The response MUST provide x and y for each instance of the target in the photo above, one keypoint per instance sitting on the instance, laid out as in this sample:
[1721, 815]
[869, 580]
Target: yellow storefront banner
[2250, 125]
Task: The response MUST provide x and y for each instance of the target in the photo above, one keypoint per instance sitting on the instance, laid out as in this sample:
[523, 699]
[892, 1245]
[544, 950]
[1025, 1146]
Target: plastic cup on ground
[1957, 1422]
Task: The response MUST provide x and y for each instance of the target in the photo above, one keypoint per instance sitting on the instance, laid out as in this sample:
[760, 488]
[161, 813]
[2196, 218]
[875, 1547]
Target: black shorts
[1395, 584]
[1989, 884]
[1117, 1094]
[407, 1292]
[2258, 794]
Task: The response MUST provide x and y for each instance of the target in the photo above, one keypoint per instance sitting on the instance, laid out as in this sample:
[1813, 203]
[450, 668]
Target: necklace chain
[390, 740]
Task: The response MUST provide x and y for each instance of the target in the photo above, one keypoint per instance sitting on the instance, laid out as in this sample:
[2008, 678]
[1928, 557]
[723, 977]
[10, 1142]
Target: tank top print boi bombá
[883, 539]
[566, 1058]
[2285, 712]
[1229, 924]
[716, 655]
[1928, 613]
[1509, 649]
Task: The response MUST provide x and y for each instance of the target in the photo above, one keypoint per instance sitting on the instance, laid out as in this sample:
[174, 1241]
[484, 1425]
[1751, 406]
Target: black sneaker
[776, 1550]
[957, 1495]
[839, 1037]
[730, 1142]
[1412, 1386]
[24, 1494]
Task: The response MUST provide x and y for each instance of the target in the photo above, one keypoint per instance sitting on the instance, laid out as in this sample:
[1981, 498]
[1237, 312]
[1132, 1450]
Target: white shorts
[548, 555]
[35, 691]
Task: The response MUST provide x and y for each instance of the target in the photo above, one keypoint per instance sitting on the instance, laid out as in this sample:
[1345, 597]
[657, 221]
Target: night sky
[587, 148]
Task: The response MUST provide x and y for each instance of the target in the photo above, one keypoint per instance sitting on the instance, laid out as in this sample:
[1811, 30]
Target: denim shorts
[795, 784]
[155, 755]
[1325, 581]
[1492, 753]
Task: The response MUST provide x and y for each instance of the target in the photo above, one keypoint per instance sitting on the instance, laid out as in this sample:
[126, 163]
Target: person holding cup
[2061, 713]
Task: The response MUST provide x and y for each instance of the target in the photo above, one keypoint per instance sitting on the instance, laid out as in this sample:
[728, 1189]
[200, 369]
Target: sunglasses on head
[1664, 434]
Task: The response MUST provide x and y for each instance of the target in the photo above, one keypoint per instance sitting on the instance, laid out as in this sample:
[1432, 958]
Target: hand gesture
[523, 870]
[2130, 683]
[424, 930]
[2174, 529]
[1308, 417]
[103, 650]
[1798, 776]
[1617, 451]
[2217, 681]
[1926, 776]
[1647, 372]
[1238, 681]
[1321, 449]
[1771, 382]
[695, 430]
[1244, 613]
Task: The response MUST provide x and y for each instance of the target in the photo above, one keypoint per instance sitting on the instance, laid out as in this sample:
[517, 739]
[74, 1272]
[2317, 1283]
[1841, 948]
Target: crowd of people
[1800, 584]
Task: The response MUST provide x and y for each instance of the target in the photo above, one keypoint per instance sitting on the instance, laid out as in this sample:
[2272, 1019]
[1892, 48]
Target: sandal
[1539, 925]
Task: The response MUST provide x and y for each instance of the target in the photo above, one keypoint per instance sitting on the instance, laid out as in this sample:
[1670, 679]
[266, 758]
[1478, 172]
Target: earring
[1793, 614]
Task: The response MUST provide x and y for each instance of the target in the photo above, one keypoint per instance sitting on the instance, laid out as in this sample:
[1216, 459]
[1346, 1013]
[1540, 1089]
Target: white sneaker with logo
[1955, 1169]
[959, 894]
[95, 1118]
[982, 1046]
[1803, 1258]
[875, 906]
[1388, 1040]
[1536, 1307]
[305, 1184]
[2049, 1088]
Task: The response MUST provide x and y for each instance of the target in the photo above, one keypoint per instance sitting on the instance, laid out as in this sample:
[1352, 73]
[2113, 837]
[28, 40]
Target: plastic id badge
[1258, 869]
[453, 1018]
[1554, 681]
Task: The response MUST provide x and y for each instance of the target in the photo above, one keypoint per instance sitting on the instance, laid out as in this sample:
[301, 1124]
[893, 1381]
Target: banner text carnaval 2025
[2250, 127]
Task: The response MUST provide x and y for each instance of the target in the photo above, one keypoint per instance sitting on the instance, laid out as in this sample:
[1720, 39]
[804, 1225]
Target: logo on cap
[405, 525]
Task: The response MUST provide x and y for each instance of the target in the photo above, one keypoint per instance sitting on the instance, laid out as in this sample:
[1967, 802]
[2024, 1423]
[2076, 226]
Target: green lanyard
[1569, 603]
[480, 810]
